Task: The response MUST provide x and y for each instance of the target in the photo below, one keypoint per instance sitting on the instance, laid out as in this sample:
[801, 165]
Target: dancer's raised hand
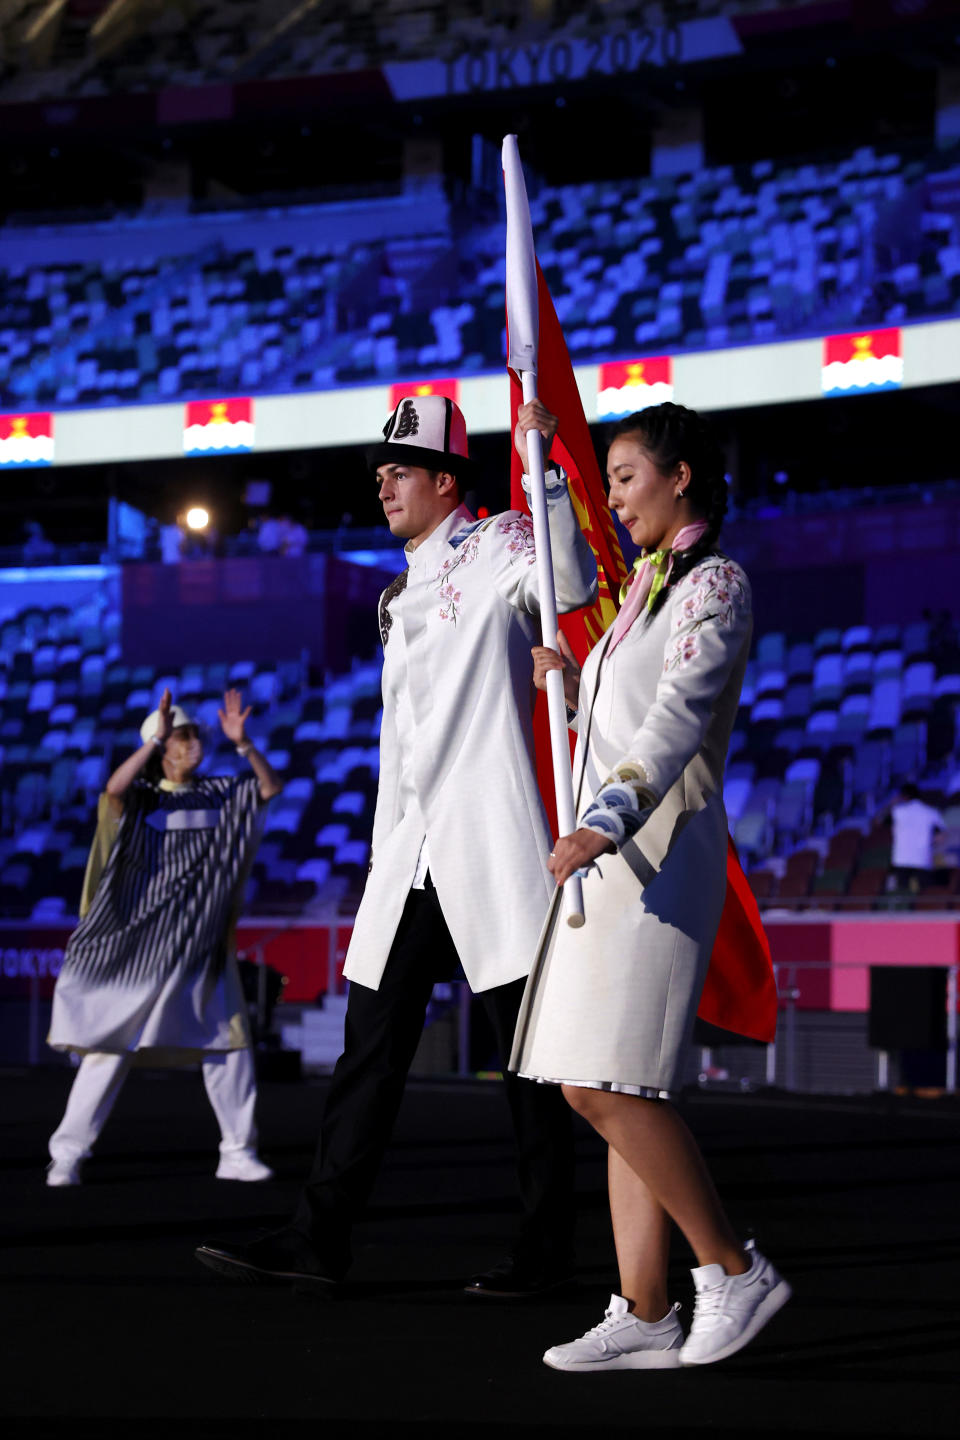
[233, 717]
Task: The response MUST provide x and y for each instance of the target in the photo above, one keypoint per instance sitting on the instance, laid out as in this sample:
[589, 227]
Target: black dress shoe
[514, 1278]
[283, 1258]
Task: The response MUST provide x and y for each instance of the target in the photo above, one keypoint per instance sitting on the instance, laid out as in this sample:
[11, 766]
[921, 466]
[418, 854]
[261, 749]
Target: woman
[609, 1007]
[149, 974]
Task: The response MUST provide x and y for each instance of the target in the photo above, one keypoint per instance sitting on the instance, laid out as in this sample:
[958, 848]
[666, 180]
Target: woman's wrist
[244, 747]
[608, 826]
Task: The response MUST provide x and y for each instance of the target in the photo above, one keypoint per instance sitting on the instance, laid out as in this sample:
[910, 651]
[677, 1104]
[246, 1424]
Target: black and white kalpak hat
[425, 430]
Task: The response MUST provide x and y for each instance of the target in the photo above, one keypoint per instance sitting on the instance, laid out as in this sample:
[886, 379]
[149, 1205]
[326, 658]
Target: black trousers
[383, 1029]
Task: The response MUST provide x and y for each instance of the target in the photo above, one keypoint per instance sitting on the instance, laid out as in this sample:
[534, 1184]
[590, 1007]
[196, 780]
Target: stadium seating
[70, 711]
[226, 40]
[812, 800]
[729, 255]
[805, 792]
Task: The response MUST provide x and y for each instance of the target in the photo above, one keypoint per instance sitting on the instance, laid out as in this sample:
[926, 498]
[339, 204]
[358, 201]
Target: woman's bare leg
[656, 1145]
[641, 1233]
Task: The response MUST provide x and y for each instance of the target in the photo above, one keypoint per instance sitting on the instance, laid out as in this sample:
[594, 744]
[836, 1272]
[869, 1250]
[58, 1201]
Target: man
[914, 825]
[460, 842]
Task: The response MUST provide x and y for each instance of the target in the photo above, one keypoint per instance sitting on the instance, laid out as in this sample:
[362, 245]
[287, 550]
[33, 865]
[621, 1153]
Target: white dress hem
[643, 1092]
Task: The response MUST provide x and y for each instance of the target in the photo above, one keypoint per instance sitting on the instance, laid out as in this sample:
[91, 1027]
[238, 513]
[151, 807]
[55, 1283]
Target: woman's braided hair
[670, 433]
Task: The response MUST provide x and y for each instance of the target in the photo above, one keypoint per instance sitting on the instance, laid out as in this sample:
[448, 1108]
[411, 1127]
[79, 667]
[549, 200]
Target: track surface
[110, 1320]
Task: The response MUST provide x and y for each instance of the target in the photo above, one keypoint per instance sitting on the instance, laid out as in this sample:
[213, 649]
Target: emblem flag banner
[865, 361]
[26, 440]
[218, 426]
[628, 385]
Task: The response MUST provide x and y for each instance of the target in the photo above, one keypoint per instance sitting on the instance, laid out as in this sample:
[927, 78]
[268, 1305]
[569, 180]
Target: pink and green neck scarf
[651, 572]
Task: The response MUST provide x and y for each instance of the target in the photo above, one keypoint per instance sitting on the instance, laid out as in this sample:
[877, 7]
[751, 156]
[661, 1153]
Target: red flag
[573, 449]
[739, 993]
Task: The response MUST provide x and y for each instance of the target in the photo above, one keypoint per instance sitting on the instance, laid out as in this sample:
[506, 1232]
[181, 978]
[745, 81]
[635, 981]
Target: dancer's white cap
[151, 725]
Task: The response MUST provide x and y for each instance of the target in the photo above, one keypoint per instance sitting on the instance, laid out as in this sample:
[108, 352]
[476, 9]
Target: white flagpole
[524, 332]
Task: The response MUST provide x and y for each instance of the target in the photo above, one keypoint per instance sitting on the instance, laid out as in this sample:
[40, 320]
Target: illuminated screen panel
[865, 361]
[26, 441]
[218, 427]
[628, 385]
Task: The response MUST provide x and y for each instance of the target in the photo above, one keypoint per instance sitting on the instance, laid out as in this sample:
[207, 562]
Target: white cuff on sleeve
[555, 483]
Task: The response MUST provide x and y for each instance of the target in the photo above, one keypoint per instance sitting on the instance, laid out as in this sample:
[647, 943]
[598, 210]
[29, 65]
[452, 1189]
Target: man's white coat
[456, 745]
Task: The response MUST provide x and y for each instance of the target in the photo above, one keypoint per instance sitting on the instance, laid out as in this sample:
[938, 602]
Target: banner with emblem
[625, 386]
[449, 389]
[218, 427]
[865, 361]
[26, 440]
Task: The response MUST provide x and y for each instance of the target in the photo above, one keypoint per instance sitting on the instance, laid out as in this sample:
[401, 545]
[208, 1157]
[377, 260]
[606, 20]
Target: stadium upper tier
[167, 45]
[829, 725]
[727, 256]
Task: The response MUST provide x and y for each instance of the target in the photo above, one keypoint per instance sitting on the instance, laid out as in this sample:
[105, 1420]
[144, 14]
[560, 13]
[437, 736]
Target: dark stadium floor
[109, 1320]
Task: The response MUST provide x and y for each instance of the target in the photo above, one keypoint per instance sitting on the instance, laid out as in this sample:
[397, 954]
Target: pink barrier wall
[850, 945]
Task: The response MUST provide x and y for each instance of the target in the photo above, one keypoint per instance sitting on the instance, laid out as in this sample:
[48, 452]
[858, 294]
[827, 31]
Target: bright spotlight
[197, 518]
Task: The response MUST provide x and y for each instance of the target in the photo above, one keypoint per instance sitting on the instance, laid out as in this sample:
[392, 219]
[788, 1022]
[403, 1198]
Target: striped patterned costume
[148, 967]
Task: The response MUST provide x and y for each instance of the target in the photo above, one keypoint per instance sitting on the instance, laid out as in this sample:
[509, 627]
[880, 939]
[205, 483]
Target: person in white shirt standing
[915, 823]
[458, 869]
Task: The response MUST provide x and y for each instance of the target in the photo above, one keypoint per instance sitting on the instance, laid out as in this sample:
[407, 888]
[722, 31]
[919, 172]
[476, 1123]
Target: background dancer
[149, 973]
[458, 867]
[609, 1008]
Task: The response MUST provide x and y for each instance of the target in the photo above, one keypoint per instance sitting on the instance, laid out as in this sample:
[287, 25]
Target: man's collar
[435, 543]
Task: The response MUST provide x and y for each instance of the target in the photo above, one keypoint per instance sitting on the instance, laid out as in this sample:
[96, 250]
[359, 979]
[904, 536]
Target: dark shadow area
[854, 1198]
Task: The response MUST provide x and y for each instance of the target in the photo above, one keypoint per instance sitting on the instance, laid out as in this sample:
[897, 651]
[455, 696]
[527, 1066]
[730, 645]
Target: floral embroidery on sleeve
[718, 593]
[682, 650]
[518, 531]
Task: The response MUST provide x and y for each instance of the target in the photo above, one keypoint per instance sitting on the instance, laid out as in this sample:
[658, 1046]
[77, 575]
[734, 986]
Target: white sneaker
[622, 1342]
[731, 1309]
[242, 1165]
[63, 1172]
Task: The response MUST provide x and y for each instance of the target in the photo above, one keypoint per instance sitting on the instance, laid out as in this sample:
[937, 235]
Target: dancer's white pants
[230, 1085]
